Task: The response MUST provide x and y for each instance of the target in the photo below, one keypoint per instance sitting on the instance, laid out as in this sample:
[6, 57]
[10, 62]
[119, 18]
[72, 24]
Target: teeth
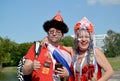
[83, 43]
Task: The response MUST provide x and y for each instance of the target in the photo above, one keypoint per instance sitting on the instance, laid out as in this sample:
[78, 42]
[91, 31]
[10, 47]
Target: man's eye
[58, 32]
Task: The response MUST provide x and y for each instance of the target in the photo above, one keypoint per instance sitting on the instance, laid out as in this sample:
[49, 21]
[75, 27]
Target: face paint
[78, 39]
[59, 36]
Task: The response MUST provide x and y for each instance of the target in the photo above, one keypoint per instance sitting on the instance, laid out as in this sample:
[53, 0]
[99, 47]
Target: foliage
[19, 51]
[112, 44]
[5, 49]
[68, 41]
[11, 52]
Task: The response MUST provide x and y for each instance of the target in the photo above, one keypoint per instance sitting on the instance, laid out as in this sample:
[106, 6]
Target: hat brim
[55, 24]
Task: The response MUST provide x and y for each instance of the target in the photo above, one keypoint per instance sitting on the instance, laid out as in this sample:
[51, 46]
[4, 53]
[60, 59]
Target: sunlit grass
[9, 69]
[8, 74]
[115, 63]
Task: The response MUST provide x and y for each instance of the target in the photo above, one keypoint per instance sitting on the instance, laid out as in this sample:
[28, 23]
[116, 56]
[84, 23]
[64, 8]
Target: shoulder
[98, 50]
[99, 54]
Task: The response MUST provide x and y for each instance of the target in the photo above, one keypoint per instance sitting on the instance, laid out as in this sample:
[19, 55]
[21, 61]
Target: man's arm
[27, 67]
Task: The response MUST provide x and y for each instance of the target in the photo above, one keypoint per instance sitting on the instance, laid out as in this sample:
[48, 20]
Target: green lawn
[115, 63]
[8, 74]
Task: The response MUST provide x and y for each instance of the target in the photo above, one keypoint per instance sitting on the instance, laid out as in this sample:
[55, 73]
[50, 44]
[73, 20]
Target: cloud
[104, 2]
[91, 2]
[114, 2]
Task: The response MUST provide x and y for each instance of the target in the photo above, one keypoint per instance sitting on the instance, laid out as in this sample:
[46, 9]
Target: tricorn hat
[56, 22]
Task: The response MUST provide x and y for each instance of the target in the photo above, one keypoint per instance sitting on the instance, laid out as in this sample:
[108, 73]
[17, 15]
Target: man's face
[54, 35]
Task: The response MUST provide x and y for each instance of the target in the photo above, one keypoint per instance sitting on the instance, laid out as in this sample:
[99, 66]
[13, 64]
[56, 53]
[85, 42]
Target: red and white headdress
[84, 24]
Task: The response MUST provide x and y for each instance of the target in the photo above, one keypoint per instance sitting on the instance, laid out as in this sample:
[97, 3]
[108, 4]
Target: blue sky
[22, 20]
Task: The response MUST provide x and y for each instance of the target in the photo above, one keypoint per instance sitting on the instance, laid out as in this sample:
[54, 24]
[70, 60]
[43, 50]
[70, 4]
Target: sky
[22, 20]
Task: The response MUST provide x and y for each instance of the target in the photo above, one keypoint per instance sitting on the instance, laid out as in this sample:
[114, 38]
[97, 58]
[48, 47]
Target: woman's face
[83, 40]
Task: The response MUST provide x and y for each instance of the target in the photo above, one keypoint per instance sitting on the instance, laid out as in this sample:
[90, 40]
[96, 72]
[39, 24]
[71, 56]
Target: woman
[89, 60]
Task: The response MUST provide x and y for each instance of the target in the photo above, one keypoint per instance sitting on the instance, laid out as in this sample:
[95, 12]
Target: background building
[99, 40]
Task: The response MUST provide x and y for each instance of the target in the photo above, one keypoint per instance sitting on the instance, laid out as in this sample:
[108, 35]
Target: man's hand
[36, 65]
[62, 72]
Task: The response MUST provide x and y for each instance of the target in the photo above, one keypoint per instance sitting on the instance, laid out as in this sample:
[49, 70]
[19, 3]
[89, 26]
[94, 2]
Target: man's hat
[56, 22]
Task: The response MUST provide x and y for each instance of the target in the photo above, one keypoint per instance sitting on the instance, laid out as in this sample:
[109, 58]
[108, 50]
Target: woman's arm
[105, 65]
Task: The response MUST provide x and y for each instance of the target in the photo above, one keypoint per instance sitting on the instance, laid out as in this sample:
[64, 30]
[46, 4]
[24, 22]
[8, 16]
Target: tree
[112, 44]
[18, 52]
[68, 41]
[6, 45]
[11, 52]
[1, 51]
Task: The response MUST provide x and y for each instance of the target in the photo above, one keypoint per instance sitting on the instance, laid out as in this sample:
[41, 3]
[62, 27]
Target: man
[42, 67]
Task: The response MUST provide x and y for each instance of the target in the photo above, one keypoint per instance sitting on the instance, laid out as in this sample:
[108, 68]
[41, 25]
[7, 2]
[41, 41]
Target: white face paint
[78, 39]
[59, 36]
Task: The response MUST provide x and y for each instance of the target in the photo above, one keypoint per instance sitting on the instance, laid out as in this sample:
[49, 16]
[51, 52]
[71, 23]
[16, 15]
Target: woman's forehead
[83, 32]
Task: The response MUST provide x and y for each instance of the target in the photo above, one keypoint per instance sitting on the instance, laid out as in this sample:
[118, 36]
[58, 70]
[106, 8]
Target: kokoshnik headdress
[84, 24]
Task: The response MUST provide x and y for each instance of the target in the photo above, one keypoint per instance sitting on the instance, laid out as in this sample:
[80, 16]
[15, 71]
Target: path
[116, 76]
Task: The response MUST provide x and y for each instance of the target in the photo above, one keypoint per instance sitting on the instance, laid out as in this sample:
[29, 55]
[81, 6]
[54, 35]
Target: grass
[115, 63]
[8, 74]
